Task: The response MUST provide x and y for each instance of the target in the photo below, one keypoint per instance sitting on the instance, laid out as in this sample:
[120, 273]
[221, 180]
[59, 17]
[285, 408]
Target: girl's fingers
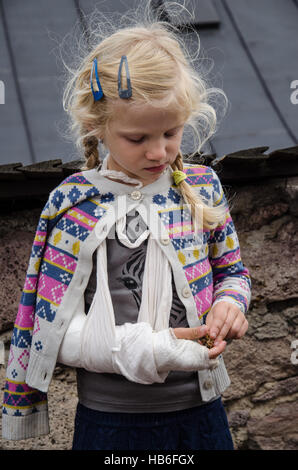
[238, 328]
[217, 350]
[226, 321]
[191, 333]
[242, 329]
[197, 333]
[218, 320]
[228, 324]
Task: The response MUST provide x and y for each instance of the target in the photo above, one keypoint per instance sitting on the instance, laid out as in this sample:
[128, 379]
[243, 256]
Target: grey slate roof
[254, 46]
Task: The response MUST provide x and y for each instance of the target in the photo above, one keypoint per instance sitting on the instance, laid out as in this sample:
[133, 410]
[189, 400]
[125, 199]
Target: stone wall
[262, 400]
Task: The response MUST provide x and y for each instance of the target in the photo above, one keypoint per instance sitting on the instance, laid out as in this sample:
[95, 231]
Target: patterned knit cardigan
[74, 208]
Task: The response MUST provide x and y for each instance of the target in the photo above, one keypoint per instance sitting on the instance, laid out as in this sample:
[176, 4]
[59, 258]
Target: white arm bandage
[134, 350]
[141, 355]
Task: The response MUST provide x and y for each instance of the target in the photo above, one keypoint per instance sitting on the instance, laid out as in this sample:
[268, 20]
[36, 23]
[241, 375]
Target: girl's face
[142, 140]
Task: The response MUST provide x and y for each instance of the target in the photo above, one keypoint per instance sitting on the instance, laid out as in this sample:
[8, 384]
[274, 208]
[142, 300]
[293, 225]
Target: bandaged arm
[140, 354]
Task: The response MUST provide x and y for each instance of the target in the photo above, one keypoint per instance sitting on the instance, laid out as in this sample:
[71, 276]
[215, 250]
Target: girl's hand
[195, 334]
[225, 320]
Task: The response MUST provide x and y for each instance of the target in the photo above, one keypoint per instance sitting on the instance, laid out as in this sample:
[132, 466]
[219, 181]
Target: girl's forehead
[141, 116]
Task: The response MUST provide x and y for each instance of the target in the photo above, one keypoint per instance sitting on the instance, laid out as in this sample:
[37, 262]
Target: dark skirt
[201, 428]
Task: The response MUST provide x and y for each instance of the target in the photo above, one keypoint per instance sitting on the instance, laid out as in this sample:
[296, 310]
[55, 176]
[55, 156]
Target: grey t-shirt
[113, 392]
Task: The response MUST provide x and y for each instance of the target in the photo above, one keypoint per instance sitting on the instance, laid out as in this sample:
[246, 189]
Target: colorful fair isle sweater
[80, 212]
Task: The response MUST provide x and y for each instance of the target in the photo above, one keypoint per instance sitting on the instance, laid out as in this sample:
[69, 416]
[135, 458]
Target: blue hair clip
[124, 93]
[96, 94]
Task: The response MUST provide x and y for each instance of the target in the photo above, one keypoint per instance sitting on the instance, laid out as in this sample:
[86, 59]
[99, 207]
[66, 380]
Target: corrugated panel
[13, 140]
[254, 50]
[251, 119]
[106, 6]
[31, 26]
[203, 14]
[269, 30]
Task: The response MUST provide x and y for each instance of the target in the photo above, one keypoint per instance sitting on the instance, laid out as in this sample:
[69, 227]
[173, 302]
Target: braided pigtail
[204, 216]
[91, 153]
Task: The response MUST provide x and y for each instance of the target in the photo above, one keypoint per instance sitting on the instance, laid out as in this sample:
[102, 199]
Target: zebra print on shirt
[126, 271]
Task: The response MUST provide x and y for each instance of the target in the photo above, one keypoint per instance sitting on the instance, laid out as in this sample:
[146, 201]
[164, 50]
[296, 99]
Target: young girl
[131, 257]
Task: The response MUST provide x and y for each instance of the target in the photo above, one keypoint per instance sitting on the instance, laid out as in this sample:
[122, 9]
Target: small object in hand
[207, 341]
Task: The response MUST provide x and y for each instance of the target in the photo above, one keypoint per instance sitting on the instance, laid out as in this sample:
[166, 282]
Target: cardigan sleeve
[25, 409]
[231, 279]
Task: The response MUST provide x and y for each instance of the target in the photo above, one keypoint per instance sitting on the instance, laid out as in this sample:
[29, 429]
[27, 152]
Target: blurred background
[250, 47]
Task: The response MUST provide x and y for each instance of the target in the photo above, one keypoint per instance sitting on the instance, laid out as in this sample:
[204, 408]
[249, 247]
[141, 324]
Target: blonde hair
[162, 75]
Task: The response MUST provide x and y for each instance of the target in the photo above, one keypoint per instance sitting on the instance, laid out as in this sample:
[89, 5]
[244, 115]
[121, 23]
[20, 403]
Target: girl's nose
[156, 152]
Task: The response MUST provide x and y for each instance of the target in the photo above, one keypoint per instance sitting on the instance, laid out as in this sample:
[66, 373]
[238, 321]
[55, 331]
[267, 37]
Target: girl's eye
[139, 141]
[136, 141]
[172, 133]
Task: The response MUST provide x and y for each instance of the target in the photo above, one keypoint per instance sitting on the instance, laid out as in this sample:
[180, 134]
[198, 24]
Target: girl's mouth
[156, 169]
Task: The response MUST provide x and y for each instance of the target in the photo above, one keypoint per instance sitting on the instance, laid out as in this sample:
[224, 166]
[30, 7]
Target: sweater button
[186, 292]
[165, 241]
[208, 384]
[136, 195]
